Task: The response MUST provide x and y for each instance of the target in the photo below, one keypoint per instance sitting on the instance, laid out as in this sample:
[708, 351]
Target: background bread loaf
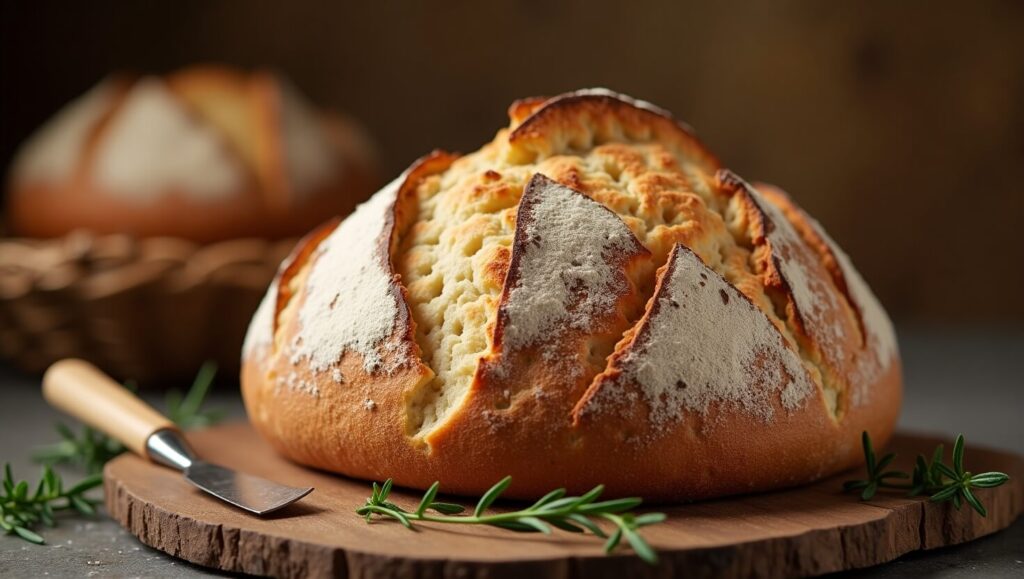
[206, 154]
[589, 298]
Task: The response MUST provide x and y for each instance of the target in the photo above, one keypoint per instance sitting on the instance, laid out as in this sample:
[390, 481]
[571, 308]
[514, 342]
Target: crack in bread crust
[290, 289]
[701, 342]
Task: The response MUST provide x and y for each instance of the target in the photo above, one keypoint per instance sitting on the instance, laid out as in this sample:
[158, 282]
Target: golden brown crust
[593, 116]
[555, 412]
[245, 112]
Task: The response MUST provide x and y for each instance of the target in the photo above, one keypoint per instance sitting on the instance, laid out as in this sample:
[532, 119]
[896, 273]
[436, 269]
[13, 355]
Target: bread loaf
[203, 154]
[590, 298]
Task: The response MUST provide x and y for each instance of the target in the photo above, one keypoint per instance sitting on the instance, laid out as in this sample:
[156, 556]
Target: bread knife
[83, 391]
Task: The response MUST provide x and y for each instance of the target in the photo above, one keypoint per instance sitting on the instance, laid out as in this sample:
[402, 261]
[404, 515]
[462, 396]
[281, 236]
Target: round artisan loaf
[588, 299]
[205, 154]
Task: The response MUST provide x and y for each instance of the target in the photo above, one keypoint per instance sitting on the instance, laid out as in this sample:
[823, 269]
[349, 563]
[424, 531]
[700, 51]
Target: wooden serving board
[805, 531]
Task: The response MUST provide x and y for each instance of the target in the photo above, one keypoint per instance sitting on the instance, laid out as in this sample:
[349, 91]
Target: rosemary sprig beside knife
[91, 449]
[88, 449]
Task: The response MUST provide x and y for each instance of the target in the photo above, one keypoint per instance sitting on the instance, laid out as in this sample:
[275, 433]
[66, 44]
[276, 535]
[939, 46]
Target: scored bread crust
[588, 299]
[242, 117]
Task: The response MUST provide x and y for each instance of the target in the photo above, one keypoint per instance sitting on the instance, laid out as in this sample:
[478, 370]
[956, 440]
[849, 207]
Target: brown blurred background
[899, 125]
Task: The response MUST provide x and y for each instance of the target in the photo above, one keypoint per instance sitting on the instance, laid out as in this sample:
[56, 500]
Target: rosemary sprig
[20, 510]
[187, 411]
[91, 449]
[931, 477]
[877, 475]
[572, 514]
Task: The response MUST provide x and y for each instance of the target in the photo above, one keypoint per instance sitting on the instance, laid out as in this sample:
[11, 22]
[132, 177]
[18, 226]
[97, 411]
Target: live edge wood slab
[800, 532]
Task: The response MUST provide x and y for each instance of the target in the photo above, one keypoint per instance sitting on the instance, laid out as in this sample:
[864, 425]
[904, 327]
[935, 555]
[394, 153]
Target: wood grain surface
[799, 532]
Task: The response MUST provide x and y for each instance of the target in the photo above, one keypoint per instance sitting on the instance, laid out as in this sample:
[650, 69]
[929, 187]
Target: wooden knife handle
[85, 392]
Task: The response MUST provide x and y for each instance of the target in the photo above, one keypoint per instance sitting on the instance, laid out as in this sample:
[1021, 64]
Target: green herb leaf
[650, 519]
[428, 498]
[551, 496]
[643, 550]
[944, 494]
[86, 484]
[29, 535]
[987, 480]
[536, 524]
[946, 471]
[491, 495]
[81, 505]
[385, 489]
[447, 508]
[400, 516]
[613, 540]
[587, 524]
[514, 526]
[974, 502]
[885, 461]
[958, 455]
[612, 506]
[565, 525]
[869, 451]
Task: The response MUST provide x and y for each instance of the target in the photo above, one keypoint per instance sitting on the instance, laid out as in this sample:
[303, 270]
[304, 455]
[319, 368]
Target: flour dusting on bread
[881, 335]
[704, 343]
[307, 151]
[260, 334]
[350, 302]
[566, 272]
[882, 349]
[53, 153]
[154, 145]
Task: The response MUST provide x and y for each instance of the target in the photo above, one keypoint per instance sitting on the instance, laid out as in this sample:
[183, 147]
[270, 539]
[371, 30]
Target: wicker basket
[151, 310]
